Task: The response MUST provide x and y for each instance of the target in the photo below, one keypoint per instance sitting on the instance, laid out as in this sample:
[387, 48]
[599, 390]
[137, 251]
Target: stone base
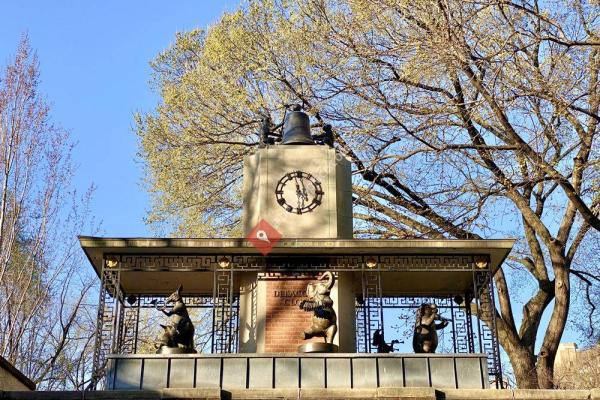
[317, 347]
[175, 350]
[296, 371]
[415, 393]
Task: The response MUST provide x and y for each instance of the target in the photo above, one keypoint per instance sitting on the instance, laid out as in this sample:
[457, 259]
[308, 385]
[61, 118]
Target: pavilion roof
[96, 247]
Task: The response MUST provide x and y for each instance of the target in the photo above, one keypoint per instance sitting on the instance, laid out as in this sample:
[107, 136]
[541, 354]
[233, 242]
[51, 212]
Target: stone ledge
[216, 394]
[310, 394]
[79, 395]
[196, 394]
[460, 394]
[407, 393]
[510, 394]
[332, 394]
[531, 394]
[257, 394]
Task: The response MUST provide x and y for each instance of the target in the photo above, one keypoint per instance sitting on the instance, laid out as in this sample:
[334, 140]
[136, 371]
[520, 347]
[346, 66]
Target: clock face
[299, 192]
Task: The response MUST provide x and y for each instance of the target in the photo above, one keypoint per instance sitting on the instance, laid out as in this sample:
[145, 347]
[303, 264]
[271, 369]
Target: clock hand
[300, 200]
[299, 192]
[304, 192]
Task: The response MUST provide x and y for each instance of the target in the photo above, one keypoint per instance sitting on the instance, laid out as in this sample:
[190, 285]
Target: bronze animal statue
[179, 332]
[382, 346]
[268, 134]
[165, 339]
[326, 137]
[324, 319]
[425, 338]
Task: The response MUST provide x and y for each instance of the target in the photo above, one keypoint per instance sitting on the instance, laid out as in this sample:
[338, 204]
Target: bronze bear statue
[425, 338]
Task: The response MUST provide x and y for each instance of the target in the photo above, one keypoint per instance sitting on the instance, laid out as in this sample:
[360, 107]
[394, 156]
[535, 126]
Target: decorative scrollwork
[108, 323]
[117, 329]
[486, 322]
[225, 314]
[134, 262]
[243, 262]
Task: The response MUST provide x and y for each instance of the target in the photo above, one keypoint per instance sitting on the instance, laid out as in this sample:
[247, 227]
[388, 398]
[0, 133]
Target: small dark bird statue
[382, 346]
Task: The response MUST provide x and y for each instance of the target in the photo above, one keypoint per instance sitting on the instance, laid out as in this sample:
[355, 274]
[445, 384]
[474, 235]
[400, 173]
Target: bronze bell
[296, 128]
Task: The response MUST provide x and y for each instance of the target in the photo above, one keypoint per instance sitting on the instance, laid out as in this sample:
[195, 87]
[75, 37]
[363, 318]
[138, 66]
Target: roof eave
[96, 247]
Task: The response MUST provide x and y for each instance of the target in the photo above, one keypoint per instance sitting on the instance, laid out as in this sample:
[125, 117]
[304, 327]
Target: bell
[296, 129]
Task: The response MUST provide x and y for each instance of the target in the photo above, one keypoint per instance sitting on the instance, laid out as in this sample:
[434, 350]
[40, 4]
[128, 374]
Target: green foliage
[463, 119]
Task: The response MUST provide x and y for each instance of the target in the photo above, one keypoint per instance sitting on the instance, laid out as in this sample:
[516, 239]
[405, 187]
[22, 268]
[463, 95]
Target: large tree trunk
[545, 371]
[558, 320]
[524, 367]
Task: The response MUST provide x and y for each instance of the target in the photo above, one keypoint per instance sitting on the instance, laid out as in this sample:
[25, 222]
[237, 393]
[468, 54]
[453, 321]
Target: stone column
[249, 304]
[344, 304]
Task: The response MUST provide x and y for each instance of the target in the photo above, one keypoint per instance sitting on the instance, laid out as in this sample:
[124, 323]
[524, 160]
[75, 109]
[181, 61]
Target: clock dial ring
[299, 192]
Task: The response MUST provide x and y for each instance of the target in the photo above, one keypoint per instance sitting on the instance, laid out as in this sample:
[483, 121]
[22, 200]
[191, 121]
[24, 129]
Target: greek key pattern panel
[415, 302]
[369, 312]
[462, 326]
[425, 263]
[166, 263]
[129, 327]
[129, 262]
[225, 314]
[107, 327]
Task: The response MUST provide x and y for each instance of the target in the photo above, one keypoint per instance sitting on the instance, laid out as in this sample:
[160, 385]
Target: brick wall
[285, 322]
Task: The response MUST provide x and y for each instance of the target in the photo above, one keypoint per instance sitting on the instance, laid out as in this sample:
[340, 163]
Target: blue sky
[94, 60]
[94, 70]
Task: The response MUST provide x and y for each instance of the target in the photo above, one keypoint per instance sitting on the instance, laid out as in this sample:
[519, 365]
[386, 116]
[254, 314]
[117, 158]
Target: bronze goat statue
[178, 335]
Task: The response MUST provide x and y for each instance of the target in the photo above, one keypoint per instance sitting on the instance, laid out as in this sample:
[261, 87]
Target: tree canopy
[463, 119]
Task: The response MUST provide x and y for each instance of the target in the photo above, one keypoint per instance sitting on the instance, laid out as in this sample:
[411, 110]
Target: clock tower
[301, 188]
